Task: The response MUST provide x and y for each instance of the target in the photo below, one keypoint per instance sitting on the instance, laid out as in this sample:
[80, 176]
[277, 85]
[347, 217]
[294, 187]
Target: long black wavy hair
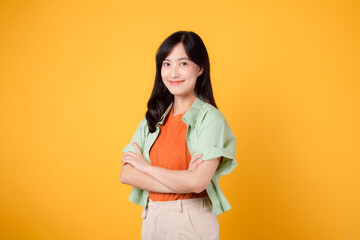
[161, 98]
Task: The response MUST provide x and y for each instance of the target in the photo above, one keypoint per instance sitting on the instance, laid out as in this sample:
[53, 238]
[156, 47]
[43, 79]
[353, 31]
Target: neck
[182, 104]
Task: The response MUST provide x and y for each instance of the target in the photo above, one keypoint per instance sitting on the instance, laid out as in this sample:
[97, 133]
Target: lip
[176, 82]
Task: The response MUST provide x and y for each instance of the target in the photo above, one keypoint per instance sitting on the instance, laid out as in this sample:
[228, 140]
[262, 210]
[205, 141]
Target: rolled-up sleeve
[215, 139]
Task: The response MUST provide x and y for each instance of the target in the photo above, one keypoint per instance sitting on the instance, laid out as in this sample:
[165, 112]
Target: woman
[178, 190]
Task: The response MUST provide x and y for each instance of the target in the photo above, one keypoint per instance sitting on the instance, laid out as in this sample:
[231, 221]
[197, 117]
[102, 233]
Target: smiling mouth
[176, 82]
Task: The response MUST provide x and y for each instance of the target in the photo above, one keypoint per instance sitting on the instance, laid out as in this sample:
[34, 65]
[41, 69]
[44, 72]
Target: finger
[128, 161]
[130, 154]
[192, 159]
[198, 162]
[127, 154]
[137, 148]
[196, 157]
[194, 166]
[128, 158]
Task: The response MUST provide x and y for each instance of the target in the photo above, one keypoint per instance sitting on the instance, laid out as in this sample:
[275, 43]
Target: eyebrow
[182, 58]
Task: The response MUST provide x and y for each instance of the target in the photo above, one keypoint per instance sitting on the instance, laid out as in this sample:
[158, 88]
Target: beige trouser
[179, 220]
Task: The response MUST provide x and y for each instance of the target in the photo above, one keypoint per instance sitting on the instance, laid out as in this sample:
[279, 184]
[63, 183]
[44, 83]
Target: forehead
[177, 52]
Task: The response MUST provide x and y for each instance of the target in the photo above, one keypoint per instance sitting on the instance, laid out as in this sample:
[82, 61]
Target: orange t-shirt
[170, 151]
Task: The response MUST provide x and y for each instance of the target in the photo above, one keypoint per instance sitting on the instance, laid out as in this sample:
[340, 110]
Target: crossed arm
[137, 172]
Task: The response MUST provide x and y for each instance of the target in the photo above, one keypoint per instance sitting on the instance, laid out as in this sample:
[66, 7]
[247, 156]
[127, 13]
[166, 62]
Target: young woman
[181, 148]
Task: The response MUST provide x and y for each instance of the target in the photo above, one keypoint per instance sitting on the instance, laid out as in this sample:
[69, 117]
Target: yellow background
[75, 79]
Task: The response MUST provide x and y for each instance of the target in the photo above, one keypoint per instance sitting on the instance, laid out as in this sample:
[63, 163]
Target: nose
[174, 72]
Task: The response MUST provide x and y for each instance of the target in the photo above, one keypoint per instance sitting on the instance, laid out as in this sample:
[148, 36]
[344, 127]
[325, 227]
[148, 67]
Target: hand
[136, 159]
[195, 161]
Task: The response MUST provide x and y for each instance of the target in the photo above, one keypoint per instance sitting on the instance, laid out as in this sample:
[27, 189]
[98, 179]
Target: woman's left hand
[137, 160]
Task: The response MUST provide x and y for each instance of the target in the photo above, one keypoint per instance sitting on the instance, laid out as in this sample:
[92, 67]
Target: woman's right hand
[195, 161]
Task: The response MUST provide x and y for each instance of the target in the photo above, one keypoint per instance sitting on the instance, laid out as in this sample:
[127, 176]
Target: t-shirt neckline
[178, 115]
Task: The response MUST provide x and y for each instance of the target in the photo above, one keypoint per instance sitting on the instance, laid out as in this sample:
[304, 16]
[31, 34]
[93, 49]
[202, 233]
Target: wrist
[149, 169]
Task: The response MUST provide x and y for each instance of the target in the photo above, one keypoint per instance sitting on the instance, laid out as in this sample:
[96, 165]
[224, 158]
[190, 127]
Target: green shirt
[208, 133]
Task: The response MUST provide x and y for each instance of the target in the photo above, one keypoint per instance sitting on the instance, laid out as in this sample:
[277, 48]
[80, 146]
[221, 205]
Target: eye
[166, 64]
[183, 63]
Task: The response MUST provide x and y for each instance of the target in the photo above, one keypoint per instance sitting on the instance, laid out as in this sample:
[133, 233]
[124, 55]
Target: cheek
[163, 74]
[192, 75]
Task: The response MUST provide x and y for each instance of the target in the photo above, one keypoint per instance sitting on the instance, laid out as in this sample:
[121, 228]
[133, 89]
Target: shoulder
[210, 113]
[211, 119]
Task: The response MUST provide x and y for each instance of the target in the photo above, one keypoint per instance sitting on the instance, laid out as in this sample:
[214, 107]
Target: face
[179, 73]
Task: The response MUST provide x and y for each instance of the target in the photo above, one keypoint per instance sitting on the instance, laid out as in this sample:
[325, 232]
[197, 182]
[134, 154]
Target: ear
[201, 70]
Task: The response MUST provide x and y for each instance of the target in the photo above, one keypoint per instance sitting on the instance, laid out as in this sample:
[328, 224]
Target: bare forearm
[131, 176]
[182, 181]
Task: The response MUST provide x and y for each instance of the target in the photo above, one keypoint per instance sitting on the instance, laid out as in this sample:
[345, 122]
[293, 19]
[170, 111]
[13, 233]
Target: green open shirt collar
[190, 115]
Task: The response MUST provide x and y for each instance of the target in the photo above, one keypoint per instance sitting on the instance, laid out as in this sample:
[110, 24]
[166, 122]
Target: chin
[181, 94]
[178, 92]
[175, 91]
